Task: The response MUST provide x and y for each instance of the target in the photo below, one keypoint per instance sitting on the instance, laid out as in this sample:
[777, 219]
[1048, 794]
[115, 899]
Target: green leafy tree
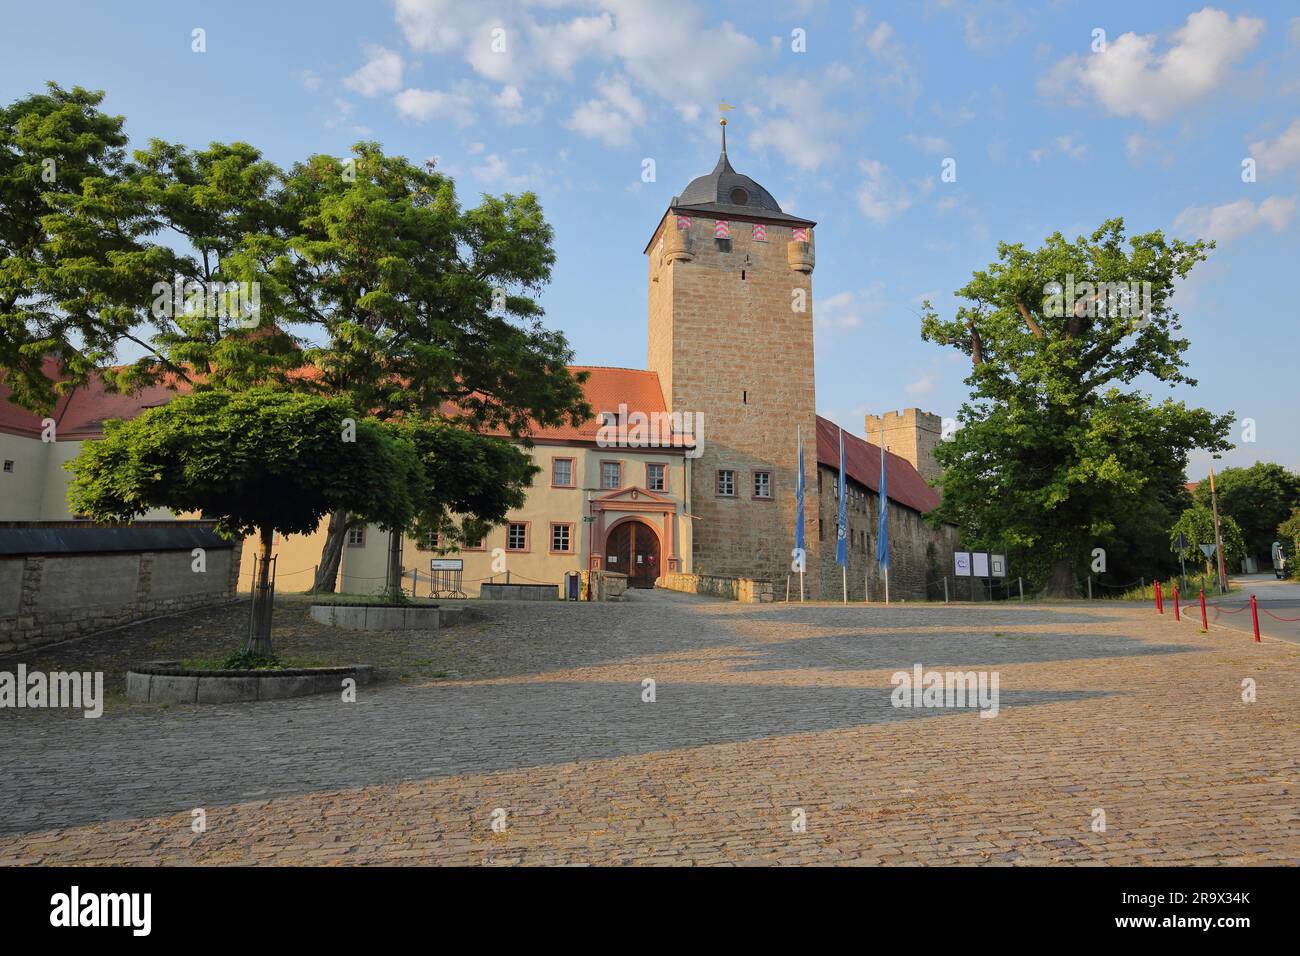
[1058, 451]
[374, 284]
[1259, 498]
[470, 481]
[82, 257]
[1197, 523]
[414, 306]
[1288, 534]
[60, 158]
[260, 462]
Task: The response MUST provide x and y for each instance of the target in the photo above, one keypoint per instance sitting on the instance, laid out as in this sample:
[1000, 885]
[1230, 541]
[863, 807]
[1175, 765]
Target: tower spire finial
[723, 108]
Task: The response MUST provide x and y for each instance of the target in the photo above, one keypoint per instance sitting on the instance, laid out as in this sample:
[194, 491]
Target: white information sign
[961, 564]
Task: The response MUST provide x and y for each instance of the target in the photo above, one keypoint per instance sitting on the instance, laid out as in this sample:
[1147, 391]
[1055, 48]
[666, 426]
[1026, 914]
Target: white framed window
[562, 538]
[726, 483]
[762, 484]
[517, 536]
[656, 477]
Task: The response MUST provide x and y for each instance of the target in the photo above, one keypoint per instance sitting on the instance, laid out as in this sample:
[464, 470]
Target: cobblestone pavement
[760, 711]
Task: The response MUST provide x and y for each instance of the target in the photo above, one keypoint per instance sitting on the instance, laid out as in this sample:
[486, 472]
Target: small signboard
[961, 564]
[980, 564]
[1181, 544]
[448, 564]
[998, 564]
[1207, 550]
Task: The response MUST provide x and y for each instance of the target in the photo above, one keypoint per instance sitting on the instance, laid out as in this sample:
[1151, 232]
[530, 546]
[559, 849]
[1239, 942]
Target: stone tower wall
[912, 435]
[727, 340]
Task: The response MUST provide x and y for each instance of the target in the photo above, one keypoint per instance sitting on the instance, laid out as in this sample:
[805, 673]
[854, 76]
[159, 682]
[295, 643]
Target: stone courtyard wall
[919, 553]
[63, 579]
[744, 590]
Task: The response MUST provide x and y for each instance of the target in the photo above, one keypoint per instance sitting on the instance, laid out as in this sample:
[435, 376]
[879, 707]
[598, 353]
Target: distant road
[1282, 598]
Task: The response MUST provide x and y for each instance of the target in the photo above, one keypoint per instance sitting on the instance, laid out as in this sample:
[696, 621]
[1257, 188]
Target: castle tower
[731, 336]
[910, 434]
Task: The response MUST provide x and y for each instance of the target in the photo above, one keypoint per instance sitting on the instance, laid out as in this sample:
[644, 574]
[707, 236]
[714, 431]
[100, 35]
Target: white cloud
[432, 25]
[1283, 152]
[1235, 219]
[381, 73]
[930, 144]
[849, 310]
[664, 47]
[342, 118]
[510, 107]
[613, 117]
[423, 105]
[882, 196]
[495, 172]
[1131, 79]
[923, 385]
[894, 75]
[310, 80]
[799, 122]
[1142, 149]
[1066, 145]
[987, 24]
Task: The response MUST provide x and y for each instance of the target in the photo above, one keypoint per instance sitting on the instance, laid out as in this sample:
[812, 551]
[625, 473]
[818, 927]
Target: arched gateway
[632, 548]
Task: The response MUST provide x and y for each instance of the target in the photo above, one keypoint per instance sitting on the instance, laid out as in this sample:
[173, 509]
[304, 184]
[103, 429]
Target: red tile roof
[81, 414]
[605, 389]
[862, 462]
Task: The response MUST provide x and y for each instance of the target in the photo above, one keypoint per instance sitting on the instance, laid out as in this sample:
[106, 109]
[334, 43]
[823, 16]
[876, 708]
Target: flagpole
[841, 528]
[798, 535]
[882, 529]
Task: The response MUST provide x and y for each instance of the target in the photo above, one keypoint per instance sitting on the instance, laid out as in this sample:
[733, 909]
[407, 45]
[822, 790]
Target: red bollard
[1254, 617]
[1160, 604]
[1205, 626]
[1177, 616]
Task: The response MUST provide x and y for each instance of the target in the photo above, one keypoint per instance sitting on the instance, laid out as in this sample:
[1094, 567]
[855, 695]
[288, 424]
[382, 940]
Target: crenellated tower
[731, 336]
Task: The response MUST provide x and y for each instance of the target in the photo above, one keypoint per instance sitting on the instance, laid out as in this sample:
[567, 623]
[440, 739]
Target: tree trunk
[393, 592]
[259, 624]
[1061, 584]
[331, 556]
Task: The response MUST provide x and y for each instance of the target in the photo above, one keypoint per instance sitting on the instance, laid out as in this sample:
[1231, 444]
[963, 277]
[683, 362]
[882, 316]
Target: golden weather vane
[724, 108]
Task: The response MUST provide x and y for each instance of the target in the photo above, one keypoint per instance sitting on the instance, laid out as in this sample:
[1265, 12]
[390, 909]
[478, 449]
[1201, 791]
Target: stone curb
[161, 684]
[378, 617]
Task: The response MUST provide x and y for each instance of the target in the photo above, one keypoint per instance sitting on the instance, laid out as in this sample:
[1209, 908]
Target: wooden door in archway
[632, 548]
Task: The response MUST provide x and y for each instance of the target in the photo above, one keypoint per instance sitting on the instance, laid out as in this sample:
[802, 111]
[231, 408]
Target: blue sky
[1047, 135]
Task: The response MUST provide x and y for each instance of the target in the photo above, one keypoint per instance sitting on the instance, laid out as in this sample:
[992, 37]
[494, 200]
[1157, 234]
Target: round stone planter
[390, 617]
[164, 682]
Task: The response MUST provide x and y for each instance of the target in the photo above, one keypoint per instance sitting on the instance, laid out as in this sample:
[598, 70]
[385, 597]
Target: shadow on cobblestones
[944, 651]
[142, 765]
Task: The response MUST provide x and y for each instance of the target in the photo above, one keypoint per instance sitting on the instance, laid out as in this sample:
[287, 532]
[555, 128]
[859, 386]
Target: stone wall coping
[169, 670]
[411, 606]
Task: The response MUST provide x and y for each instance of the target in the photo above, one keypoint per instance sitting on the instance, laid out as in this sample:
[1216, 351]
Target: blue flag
[842, 528]
[882, 532]
[798, 498]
